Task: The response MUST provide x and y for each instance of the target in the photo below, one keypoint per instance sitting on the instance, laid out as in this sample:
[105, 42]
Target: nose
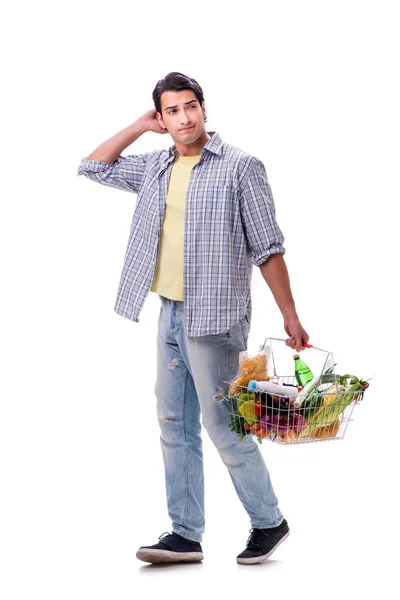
[185, 119]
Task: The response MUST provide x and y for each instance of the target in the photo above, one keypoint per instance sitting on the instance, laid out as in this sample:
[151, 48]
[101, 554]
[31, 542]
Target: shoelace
[164, 537]
[255, 537]
[166, 534]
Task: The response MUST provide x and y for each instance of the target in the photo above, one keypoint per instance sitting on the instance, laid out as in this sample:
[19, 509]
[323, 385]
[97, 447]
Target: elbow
[274, 254]
[89, 166]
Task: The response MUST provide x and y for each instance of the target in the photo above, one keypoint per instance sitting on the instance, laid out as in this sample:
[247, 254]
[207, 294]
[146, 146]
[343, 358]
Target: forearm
[111, 149]
[276, 275]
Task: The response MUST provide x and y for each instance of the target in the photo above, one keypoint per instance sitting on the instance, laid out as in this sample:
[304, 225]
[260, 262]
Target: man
[204, 215]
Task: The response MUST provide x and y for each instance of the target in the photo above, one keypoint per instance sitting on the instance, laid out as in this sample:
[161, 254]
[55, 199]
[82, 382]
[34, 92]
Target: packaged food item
[251, 366]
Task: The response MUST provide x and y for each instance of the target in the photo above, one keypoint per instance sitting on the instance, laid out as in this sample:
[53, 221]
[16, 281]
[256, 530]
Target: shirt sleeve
[257, 208]
[125, 173]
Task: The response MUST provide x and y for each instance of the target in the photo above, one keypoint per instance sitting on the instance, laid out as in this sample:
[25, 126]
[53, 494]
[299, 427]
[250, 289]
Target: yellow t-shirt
[168, 276]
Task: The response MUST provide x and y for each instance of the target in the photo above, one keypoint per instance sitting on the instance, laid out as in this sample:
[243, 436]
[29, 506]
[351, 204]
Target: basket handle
[304, 345]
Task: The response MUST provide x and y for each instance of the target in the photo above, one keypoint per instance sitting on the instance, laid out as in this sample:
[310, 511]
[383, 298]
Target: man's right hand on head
[150, 120]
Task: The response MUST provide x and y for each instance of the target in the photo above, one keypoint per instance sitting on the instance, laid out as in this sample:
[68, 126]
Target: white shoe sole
[258, 559]
[164, 556]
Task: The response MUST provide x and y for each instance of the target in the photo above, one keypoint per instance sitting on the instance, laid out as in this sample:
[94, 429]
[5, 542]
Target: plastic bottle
[302, 372]
[272, 388]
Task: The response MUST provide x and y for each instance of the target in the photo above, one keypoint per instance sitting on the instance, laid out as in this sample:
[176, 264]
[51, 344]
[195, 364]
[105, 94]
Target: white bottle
[272, 388]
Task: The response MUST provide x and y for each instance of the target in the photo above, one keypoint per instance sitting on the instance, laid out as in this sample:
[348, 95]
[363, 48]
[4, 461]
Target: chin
[189, 138]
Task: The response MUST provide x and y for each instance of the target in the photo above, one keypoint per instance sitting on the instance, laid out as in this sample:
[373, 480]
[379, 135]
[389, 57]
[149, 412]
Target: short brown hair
[176, 82]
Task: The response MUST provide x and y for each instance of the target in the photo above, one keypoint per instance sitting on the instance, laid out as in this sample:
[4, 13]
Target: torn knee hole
[173, 364]
[168, 417]
[219, 396]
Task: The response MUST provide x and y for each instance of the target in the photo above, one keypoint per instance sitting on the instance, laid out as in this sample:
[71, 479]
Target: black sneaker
[262, 543]
[171, 548]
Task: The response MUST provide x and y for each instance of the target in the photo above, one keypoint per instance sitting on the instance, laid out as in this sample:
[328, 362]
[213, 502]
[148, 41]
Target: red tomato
[258, 409]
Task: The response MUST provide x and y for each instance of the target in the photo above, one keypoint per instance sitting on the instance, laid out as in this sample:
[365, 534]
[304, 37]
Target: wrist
[289, 313]
[141, 126]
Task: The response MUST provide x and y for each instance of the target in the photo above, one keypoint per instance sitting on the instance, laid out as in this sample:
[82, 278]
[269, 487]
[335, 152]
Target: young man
[204, 215]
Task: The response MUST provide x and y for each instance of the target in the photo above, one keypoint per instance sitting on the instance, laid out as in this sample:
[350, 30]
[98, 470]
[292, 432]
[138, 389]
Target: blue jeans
[190, 384]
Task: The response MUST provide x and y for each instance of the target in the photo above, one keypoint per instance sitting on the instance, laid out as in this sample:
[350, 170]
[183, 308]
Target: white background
[310, 88]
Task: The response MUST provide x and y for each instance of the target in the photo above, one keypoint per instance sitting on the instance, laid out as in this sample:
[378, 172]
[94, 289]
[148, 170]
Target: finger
[299, 344]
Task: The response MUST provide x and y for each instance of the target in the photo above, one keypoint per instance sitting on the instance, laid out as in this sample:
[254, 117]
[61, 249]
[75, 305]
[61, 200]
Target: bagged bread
[250, 367]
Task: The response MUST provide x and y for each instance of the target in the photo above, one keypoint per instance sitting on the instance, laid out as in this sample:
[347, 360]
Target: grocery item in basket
[272, 388]
[324, 433]
[248, 411]
[287, 436]
[337, 398]
[309, 394]
[250, 368]
[302, 371]
[258, 430]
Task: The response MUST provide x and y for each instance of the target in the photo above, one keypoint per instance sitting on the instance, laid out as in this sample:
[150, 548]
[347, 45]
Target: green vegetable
[242, 397]
[315, 400]
[237, 425]
[247, 410]
[335, 403]
[310, 406]
[245, 397]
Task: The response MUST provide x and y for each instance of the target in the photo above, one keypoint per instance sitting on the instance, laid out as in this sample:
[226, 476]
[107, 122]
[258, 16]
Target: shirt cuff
[95, 166]
[261, 258]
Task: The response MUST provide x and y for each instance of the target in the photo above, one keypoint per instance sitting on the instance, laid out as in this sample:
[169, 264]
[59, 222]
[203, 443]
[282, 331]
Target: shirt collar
[213, 145]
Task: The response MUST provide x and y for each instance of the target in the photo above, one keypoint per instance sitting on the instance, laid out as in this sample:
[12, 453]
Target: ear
[160, 120]
[203, 108]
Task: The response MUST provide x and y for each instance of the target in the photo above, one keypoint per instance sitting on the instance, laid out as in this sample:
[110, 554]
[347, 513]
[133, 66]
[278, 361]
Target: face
[182, 116]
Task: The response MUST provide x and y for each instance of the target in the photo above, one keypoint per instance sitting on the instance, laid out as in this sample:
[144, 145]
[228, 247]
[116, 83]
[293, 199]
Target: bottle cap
[296, 356]
[252, 385]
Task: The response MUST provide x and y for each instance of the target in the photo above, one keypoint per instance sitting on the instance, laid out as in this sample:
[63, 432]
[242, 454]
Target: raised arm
[110, 150]
[105, 164]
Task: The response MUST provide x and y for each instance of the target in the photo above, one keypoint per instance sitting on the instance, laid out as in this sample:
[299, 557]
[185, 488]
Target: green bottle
[301, 371]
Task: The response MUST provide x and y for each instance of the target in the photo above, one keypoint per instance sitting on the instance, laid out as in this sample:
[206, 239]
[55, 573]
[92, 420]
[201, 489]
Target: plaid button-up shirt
[229, 226]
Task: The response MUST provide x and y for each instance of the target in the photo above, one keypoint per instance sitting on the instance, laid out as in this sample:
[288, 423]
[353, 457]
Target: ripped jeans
[190, 384]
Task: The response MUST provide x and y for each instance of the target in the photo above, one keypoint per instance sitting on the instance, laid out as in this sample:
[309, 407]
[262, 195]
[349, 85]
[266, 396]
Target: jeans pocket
[245, 325]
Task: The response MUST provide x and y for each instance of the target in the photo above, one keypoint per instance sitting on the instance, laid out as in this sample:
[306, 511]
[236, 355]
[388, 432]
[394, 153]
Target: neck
[195, 148]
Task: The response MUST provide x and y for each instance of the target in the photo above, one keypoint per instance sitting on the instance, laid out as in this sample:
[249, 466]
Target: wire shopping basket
[268, 404]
